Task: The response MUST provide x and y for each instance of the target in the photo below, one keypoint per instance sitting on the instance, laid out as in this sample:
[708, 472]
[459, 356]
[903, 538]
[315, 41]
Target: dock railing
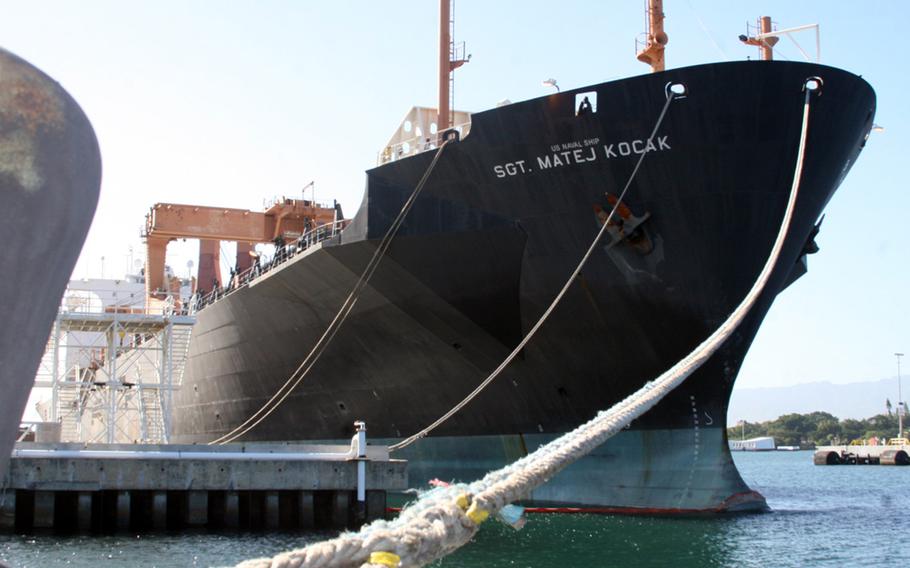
[91, 302]
[156, 487]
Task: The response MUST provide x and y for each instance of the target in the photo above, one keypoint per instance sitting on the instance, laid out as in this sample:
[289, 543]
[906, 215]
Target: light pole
[312, 184]
[900, 399]
[551, 83]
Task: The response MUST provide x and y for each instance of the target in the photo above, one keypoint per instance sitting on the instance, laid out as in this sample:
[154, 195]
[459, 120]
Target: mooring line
[446, 518]
[565, 288]
[298, 375]
[288, 387]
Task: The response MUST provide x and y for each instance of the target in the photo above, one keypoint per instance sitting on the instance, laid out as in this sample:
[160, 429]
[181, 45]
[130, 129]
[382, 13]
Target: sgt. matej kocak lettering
[575, 153]
[567, 157]
[510, 169]
[627, 148]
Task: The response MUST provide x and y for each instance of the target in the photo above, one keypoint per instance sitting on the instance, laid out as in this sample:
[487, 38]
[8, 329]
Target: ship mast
[653, 51]
[449, 61]
[763, 40]
[442, 119]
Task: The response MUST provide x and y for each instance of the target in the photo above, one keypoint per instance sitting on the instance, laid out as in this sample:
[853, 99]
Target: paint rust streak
[28, 100]
[31, 107]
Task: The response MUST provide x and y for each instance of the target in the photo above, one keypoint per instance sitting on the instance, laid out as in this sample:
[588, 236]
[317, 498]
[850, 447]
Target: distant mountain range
[848, 400]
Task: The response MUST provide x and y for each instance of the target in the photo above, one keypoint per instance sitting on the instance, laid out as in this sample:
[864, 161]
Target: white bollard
[360, 441]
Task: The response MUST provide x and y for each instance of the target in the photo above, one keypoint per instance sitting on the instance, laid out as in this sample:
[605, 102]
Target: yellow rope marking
[473, 512]
[385, 558]
[477, 514]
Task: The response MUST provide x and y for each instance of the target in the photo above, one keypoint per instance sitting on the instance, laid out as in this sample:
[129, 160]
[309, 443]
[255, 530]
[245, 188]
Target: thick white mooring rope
[446, 518]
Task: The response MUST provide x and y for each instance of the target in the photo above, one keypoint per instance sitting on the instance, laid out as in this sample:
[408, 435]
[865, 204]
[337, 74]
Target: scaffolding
[112, 373]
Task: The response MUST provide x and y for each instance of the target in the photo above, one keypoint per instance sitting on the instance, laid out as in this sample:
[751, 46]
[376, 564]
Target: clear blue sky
[231, 103]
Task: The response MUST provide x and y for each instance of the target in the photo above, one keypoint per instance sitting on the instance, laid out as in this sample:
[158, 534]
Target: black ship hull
[504, 218]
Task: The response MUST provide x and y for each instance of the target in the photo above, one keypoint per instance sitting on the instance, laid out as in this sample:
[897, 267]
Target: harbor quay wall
[112, 488]
[862, 455]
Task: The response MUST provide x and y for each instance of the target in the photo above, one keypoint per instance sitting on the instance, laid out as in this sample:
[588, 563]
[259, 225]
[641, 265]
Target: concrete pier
[109, 488]
[862, 455]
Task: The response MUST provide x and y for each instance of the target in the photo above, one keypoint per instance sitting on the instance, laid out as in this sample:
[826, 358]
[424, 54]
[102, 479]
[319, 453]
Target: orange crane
[287, 219]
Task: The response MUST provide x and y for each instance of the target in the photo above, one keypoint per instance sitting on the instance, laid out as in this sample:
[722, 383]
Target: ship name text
[581, 152]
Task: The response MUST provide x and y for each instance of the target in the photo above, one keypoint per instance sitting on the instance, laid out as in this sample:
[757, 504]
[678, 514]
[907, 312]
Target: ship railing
[275, 200]
[283, 254]
[415, 145]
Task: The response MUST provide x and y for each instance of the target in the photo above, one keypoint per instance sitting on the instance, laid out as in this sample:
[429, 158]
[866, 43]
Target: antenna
[767, 38]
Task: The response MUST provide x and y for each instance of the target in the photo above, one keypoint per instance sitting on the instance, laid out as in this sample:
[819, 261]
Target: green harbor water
[821, 516]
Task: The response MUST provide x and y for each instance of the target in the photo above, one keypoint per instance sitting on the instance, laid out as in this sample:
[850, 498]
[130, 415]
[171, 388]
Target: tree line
[817, 429]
